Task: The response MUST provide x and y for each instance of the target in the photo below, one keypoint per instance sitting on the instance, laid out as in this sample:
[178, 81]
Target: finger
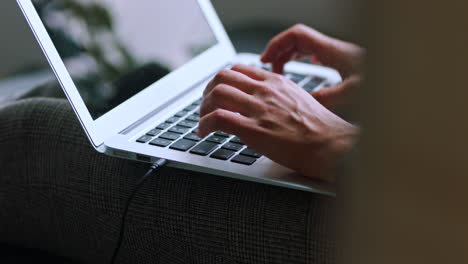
[278, 63]
[252, 72]
[223, 120]
[284, 41]
[285, 57]
[232, 78]
[228, 98]
[332, 52]
[334, 96]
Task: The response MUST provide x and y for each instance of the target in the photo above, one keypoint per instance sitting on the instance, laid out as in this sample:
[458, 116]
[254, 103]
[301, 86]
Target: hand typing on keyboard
[276, 117]
[301, 41]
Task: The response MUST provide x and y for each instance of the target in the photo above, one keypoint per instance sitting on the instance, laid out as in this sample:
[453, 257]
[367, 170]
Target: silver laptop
[134, 73]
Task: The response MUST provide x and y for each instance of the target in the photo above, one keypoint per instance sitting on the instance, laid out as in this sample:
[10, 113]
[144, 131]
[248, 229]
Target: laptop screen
[113, 49]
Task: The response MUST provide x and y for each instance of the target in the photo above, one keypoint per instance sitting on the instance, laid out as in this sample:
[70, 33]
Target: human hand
[274, 116]
[301, 41]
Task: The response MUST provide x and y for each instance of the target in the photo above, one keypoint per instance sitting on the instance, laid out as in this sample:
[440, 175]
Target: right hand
[301, 41]
[277, 118]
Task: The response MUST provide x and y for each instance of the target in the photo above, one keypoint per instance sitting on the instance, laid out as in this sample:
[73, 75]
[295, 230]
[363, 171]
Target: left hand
[302, 41]
[274, 116]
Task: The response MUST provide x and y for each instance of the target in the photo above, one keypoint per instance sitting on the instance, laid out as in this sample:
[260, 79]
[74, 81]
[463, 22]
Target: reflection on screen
[113, 49]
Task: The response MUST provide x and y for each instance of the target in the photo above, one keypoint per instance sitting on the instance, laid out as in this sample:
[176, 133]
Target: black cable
[154, 167]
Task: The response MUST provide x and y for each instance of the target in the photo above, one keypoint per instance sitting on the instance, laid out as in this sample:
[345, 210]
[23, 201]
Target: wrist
[342, 144]
[334, 148]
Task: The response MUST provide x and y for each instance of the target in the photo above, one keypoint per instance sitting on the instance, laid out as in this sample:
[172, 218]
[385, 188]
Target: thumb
[338, 95]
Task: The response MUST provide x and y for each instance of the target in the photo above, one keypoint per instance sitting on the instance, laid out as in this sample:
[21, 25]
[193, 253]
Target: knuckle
[219, 116]
[299, 27]
[261, 88]
[219, 91]
[277, 79]
[237, 67]
[274, 41]
[272, 95]
[285, 82]
[222, 75]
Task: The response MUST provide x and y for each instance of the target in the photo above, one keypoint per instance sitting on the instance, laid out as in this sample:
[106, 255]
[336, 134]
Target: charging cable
[154, 167]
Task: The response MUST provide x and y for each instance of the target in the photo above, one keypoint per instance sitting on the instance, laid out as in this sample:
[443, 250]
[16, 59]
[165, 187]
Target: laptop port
[120, 153]
[143, 158]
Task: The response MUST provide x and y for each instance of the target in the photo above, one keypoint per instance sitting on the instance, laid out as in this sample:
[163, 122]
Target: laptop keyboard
[180, 132]
[308, 82]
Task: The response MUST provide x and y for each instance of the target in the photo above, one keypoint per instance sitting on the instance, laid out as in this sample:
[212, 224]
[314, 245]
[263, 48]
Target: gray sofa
[61, 198]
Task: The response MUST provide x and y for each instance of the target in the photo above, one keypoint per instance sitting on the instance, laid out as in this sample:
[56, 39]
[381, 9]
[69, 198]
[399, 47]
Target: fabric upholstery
[59, 195]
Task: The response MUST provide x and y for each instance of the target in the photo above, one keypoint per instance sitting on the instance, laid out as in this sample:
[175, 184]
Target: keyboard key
[181, 113]
[170, 136]
[318, 79]
[297, 78]
[244, 160]
[312, 84]
[188, 124]
[204, 148]
[216, 139]
[179, 130]
[251, 153]
[193, 137]
[160, 142]
[195, 130]
[153, 132]
[191, 107]
[193, 118]
[237, 140]
[222, 154]
[183, 145]
[163, 126]
[172, 120]
[232, 146]
[222, 134]
[144, 139]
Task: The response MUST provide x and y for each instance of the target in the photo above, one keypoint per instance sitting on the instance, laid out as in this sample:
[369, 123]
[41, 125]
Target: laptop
[134, 73]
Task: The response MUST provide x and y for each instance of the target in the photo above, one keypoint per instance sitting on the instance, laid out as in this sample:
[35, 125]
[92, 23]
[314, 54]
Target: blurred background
[250, 25]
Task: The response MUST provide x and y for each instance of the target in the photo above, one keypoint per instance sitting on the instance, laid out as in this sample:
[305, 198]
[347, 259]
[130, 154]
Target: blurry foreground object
[407, 202]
